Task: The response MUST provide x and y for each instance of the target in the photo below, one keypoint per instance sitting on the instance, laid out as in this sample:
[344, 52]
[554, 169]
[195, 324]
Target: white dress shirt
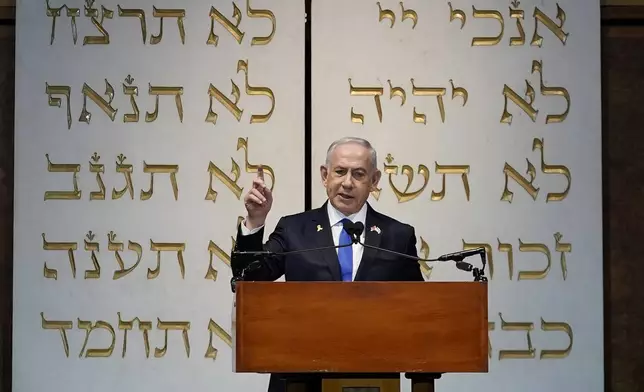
[335, 219]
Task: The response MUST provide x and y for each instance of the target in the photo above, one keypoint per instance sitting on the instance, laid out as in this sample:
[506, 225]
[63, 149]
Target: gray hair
[355, 140]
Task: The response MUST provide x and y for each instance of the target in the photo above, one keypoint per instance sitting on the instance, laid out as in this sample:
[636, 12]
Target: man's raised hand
[258, 201]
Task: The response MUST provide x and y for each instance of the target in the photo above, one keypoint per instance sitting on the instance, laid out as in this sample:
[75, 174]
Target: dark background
[622, 61]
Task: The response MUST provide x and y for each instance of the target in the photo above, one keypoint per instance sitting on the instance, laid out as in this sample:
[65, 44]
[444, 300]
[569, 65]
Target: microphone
[264, 253]
[463, 266]
[459, 256]
[261, 253]
[355, 230]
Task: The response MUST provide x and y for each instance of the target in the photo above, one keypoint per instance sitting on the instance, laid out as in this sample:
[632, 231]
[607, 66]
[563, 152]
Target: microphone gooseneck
[355, 230]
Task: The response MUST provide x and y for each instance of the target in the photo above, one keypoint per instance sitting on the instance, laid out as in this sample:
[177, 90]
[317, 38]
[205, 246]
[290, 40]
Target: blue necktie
[345, 255]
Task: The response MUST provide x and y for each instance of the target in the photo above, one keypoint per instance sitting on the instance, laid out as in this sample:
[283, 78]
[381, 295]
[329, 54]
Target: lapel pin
[319, 227]
[376, 229]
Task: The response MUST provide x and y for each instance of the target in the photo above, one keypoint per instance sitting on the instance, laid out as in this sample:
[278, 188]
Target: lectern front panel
[358, 327]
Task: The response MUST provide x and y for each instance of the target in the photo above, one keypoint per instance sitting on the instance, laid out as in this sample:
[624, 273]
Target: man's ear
[375, 179]
[324, 174]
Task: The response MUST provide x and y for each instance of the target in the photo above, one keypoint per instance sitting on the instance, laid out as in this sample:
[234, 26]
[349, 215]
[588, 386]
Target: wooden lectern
[360, 336]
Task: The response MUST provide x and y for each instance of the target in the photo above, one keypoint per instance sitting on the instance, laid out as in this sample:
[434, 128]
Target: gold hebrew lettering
[518, 15]
[136, 13]
[73, 13]
[541, 248]
[53, 101]
[55, 13]
[132, 91]
[375, 92]
[98, 168]
[166, 326]
[172, 170]
[231, 183]
[93, 247]
[559, 327]
[489, 256]
[463, 170]
[144, 326]
[552, 169]
[490, 327]
[232, 28]
[386, 14]
[392, 170]
[117, 247]
[64, 168]
[510, 172]
[456, 14]
[437, 92]
[106, 106]
[409, 14]
[376, 193]
[62, 326]
[526, 106]
[89, 328]
[215, 250]
[257, 118]
[424, 253]
[92, 12]
[157, 91]
[507, 248]
[214, 328]
[557, 30]
[230, 105]
[167, 247]
[517, 326]
[70, 247]
[488, 14]
[537, 66]
[266, 14]
[268, 171]
[126, 169]
[397, 92]
[459, 92]
[563, 248]
[168, 13]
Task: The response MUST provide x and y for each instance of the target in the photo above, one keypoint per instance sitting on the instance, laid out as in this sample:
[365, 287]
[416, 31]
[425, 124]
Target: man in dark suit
[349, 174]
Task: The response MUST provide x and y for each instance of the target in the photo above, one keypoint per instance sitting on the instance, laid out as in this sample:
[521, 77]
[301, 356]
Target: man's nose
[347, 181]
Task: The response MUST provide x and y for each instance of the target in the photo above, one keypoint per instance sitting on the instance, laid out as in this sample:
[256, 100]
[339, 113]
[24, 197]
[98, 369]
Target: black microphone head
[464, 266]
[353, 229]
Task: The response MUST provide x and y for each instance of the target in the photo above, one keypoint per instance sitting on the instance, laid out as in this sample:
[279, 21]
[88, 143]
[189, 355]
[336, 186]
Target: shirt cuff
[246, 231]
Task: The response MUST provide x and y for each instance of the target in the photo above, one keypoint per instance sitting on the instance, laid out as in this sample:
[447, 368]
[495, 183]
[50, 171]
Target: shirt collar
[336, 216]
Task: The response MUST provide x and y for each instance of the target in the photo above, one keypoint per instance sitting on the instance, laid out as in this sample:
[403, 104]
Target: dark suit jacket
[301, 231]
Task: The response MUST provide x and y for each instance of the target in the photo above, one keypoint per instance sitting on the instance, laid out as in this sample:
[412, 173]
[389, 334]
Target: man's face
[349, 178]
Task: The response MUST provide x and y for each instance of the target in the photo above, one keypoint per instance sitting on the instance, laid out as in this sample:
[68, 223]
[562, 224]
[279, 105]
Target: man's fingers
[252, 198]
[257, 193]
[258, 183]
[260, 172]
[267, 193]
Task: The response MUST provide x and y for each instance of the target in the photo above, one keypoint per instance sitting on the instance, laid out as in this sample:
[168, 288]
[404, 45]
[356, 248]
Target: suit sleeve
[412, 267]
[272, 267]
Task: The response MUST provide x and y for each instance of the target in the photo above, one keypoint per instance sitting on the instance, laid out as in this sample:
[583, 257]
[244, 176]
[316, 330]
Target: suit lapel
[372, 238]
[323, 237]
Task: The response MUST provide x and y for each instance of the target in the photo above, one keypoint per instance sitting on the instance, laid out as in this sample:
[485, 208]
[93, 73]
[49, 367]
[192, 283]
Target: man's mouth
[344, 196]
